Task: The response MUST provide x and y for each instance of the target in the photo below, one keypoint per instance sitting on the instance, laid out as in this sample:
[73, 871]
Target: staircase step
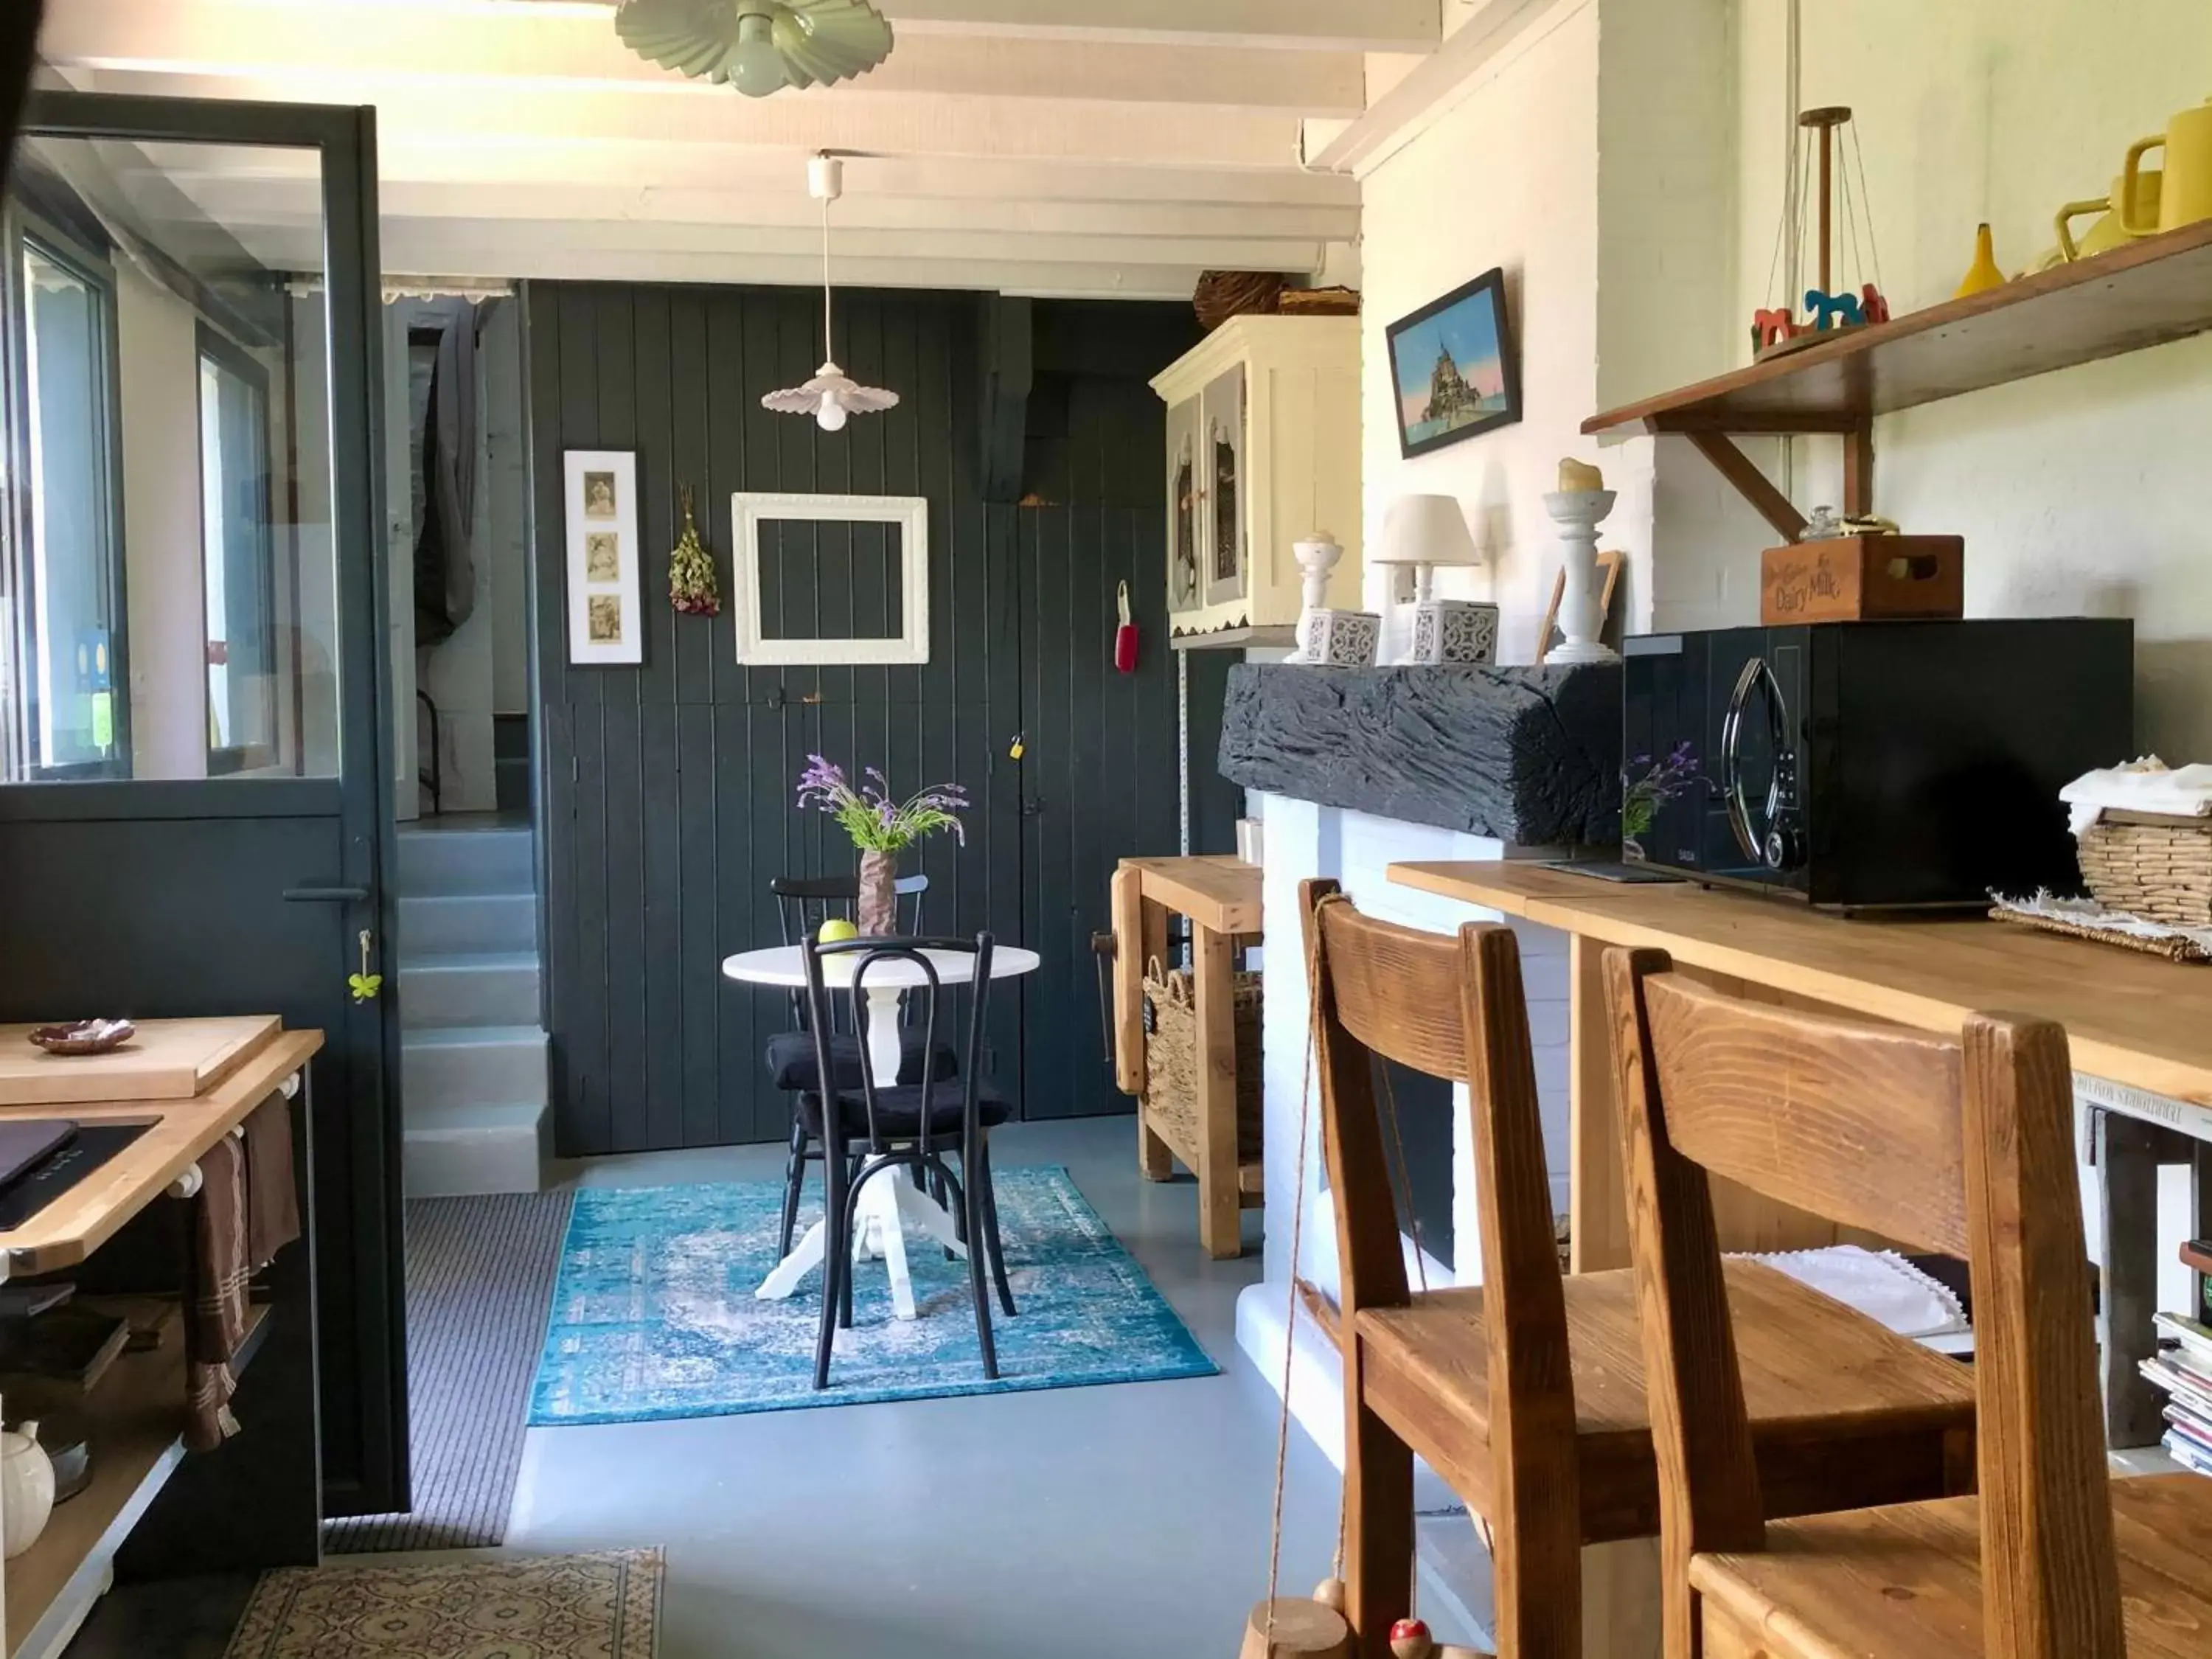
[464, 1068]
[479, 1149]
[444, 925]
[441, 859]
[470, 989]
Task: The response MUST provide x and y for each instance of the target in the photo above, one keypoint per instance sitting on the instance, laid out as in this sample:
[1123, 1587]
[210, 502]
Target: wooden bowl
[85, 1036]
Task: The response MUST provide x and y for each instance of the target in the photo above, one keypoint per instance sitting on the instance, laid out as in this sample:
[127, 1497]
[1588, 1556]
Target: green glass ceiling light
[758, 46]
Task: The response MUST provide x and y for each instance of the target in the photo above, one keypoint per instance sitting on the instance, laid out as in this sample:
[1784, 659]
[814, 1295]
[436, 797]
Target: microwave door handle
[1739, 808]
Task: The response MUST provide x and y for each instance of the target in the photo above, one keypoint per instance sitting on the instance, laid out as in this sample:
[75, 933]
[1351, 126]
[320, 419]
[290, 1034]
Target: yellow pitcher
[2185, 194]
[2107, 233]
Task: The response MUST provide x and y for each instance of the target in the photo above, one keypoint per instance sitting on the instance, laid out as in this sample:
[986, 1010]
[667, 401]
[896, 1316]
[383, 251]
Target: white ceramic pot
[26, 1489]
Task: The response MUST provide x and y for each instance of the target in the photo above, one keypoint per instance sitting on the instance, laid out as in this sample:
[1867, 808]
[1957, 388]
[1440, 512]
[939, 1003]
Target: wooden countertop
[91, 1213]
[2135, 1018]
[1219, 893]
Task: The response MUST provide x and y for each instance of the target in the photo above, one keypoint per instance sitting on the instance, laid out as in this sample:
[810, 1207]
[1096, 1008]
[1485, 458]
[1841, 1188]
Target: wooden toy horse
[1833, 310]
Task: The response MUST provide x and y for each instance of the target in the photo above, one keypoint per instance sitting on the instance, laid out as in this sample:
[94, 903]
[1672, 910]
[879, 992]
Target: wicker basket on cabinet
[1171, 1059]
[2156, 867]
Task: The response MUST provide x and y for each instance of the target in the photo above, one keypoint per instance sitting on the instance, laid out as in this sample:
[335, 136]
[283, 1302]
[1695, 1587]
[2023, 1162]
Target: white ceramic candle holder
[1318, 557]
[1578, 513]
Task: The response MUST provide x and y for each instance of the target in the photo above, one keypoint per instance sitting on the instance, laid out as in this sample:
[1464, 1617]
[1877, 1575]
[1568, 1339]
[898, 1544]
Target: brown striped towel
[248, 1210]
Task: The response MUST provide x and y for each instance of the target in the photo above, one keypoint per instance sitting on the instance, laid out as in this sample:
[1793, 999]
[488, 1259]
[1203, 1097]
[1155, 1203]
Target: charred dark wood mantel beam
[1530, 755]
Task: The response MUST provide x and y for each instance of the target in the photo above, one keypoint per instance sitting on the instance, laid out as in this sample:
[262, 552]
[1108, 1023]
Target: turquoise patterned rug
[654, 1316]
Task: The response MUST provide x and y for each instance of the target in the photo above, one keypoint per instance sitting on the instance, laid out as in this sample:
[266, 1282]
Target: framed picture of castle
[1453, 366]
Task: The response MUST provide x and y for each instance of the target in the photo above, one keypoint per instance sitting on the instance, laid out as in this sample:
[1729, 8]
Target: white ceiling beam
[1067, 130]
[239, 201]
[1440, 82]
[641, 165]
[567, 49]
[515, 246]
[1311, 25]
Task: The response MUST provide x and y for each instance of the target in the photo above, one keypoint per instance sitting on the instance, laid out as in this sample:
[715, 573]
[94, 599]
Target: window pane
[65, 578]
[170, 604]
[238, 574]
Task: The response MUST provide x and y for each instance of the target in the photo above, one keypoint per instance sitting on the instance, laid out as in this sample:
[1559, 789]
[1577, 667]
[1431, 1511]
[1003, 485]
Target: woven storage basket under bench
[1187, 1043]
[2156, 867]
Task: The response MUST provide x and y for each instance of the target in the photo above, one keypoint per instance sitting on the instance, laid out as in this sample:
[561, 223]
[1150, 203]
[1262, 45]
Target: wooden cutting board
[169, 1060]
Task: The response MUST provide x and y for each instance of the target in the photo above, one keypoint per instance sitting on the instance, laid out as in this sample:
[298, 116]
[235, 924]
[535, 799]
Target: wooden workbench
[136, 1417]
[1220, 897]
[2136, 1019]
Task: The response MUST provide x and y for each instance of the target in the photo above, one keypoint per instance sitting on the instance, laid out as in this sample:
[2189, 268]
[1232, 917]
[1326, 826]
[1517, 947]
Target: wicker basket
[1171, 1059]
[2158, 868]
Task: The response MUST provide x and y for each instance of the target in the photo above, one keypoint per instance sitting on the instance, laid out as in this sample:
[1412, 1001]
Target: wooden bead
[1330, 1594]
[1410, 1639]
[1303, 1630]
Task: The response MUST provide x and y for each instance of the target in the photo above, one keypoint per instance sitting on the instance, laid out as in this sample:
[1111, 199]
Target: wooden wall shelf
[2145, 294]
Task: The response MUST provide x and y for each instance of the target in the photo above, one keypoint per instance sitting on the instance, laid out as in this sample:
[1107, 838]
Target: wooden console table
[2136, 1019]
[135, 1419]
[1220, 897]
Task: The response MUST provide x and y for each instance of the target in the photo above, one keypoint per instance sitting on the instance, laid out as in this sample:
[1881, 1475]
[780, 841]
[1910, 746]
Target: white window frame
[750, 510]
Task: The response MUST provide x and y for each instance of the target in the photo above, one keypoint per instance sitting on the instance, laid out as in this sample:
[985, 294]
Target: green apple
[836, 931]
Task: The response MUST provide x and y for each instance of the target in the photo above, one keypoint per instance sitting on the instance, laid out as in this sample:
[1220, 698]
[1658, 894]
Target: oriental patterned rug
[654, 1316]
[555, 1607]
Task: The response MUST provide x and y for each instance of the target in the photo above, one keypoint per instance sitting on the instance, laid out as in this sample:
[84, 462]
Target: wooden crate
[1862, 579]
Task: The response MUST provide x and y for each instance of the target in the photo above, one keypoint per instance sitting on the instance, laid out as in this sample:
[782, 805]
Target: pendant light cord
[828, 352]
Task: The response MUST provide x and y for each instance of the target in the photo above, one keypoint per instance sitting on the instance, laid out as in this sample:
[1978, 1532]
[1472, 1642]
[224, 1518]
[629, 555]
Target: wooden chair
[1963, 1145]
[1526, 1392]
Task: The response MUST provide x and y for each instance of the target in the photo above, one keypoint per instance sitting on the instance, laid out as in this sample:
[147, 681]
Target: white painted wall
[2079, 492]
[1507, 176]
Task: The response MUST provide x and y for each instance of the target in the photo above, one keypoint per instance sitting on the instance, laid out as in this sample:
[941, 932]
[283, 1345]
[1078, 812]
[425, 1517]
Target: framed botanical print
[605, 620]
[1454, 368]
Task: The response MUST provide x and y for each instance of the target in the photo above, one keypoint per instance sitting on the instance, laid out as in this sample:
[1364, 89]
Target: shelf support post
[1740, 471]
[1858, 469]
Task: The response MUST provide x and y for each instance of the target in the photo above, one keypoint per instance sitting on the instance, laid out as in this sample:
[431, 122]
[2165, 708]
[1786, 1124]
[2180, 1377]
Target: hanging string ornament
[692, 585]
[1287, 1627]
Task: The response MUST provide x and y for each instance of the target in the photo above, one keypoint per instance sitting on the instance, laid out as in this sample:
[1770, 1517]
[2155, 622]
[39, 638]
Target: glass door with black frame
[195, 803]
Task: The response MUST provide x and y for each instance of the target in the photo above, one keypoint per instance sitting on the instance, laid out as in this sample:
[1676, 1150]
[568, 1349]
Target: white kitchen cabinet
[1262, 452]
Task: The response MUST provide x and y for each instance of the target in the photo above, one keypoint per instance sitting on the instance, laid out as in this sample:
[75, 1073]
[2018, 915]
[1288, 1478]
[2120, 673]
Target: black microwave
[1874, 765]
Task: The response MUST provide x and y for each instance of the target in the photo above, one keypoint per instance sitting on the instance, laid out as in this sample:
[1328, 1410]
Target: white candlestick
[1578, 513]
[1317, 557]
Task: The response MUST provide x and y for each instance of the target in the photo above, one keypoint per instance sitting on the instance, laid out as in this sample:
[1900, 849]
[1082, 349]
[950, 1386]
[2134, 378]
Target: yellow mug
[2108, 233]
[2186, 195]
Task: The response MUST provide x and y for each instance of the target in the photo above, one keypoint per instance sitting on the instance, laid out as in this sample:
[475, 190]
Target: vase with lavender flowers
[1651, 789]
[882, 827]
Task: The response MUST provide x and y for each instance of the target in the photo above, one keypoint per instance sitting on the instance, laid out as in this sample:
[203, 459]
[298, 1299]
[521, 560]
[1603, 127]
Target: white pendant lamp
[832, 395]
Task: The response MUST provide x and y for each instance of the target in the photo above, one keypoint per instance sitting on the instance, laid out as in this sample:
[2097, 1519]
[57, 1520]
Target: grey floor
[1087, 1523]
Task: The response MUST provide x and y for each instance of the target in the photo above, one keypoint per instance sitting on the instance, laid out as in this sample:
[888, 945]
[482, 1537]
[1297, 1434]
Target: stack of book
[2183, 1367]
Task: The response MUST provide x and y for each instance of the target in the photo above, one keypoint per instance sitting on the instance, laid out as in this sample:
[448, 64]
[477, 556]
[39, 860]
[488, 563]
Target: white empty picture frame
[751, 512]
[606, 624]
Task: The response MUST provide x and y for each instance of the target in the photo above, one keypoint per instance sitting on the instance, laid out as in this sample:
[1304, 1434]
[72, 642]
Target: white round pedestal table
[891, 1202]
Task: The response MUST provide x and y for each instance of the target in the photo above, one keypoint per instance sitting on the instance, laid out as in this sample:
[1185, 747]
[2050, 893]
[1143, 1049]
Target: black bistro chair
[867, 1131]
[803, 903]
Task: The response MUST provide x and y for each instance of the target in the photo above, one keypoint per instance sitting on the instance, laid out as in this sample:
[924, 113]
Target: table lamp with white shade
[1426, 532]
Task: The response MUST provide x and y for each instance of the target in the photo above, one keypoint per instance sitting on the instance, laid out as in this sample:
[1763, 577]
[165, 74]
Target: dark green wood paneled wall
[666, 788]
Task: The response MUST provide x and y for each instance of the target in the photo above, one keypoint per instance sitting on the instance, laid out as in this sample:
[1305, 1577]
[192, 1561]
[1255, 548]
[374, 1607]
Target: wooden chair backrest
[1965, 1144]
[1453, 1007]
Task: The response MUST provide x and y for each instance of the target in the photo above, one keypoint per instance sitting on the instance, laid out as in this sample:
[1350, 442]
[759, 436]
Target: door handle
[325, 895]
